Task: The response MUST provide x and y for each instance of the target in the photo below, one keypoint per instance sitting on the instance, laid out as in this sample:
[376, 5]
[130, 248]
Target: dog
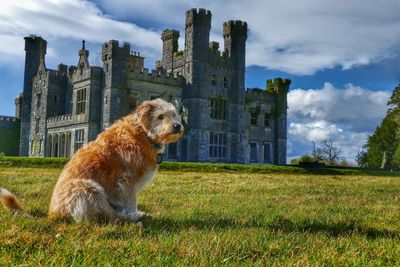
[101, 182]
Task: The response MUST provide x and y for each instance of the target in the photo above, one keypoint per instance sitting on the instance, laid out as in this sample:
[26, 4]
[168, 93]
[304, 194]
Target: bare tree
[329, 152]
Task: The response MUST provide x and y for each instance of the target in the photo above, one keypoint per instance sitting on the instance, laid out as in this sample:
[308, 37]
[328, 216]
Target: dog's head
[160, 120]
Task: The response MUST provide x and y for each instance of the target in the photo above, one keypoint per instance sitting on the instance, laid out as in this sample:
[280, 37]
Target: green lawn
[220, 218]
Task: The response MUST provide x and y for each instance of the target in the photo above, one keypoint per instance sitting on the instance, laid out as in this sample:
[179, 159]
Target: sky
[343, 57]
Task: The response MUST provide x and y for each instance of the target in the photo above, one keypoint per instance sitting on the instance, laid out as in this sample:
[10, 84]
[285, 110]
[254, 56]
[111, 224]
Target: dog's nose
[177, 127]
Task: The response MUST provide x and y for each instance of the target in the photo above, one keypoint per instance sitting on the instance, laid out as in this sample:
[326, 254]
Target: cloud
[294, 37]
[298, 37]
[347, 115]
[65, 19]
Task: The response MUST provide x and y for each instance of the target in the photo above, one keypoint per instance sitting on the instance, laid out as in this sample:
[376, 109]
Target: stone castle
[63, 109]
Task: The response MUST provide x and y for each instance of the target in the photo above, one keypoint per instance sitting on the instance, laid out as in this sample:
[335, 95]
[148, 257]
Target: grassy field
[204, 218]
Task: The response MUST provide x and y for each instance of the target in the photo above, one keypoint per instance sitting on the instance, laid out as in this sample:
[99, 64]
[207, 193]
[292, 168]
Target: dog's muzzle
[177, 128]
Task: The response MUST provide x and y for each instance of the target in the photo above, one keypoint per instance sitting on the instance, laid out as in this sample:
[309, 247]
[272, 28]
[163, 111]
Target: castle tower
[279, 89]
[115, 67]
[235, 35]
[195, 95]
[170, 46]
[35, 48]
[197, 37]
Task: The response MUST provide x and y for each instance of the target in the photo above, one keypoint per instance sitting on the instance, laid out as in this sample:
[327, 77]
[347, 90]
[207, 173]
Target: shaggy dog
[102, 180]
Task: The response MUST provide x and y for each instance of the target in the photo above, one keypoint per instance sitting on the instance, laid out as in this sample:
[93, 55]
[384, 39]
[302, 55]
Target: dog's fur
[102, 180]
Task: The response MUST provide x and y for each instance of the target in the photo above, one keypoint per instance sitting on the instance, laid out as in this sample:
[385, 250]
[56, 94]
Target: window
[81, 101]
[253, 152]
[79, 138]
[213, 79]
[152, 97]
[172, 151]
[267, 153]
[218, 108]
[133, 100]
[37, 121]
[39, 100]
[253, 117]
[55, 98]
[81, 68]
[217, 148]
[40, 145]
[225, 82]
[267, 119]
[31, 146]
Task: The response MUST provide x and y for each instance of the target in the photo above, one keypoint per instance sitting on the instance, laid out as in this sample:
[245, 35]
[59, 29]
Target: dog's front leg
[131, 210]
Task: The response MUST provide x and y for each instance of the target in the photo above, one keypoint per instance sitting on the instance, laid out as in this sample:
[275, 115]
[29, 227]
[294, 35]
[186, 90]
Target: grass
[203, 218]
[206, 167]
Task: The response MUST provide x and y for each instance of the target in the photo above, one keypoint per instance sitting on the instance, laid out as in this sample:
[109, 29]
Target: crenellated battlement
[61, 120]
[169, 34]
[235, 28]
[113, 46]
[199, 16]
[278, 86]
[8, 119]
[156, 76]
[257, 94]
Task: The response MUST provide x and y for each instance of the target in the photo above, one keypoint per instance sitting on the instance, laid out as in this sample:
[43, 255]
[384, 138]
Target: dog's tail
[10, 201]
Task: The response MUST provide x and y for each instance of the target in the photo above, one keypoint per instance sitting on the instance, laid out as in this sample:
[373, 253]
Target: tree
[329, 152]
[383, 139]
[386, 137]
[362, 159]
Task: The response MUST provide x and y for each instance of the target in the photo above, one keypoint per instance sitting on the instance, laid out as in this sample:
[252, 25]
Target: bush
[307, 159]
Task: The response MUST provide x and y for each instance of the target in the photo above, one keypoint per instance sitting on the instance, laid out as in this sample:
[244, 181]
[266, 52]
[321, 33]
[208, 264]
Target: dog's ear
[143, 113]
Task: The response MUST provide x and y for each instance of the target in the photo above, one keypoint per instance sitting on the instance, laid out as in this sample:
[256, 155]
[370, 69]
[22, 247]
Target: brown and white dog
[103, 179]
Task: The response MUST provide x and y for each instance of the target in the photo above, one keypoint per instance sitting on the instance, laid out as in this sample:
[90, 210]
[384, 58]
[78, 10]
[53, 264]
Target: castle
[63, 109]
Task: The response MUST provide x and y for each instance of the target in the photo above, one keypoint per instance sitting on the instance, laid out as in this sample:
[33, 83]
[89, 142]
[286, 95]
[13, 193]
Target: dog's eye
[161, 117]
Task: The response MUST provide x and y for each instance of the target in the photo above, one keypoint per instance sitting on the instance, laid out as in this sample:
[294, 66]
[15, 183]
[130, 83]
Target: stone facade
[63, 109]
[9, 135]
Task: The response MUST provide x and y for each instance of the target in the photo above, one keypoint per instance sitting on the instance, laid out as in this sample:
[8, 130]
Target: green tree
[386, 137]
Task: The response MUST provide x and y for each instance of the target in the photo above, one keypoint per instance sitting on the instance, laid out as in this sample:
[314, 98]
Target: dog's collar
[159, 158]
[157, 146]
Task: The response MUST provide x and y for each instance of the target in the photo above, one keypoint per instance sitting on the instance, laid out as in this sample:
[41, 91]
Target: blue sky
[342, 56]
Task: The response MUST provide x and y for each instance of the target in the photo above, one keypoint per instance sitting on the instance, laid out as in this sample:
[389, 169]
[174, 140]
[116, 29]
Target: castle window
[217, 148]
[55, 98]
[218, 108]
[31, 147]
[79, 138]
[253, 152]
[225, 82]
[253, 117]
[81, 101]
[40, 145]
[154, 96]
[133, 100]
[213, 79]
[37, 121]
[81, 68]
[106, 67]
[267, 153]
[39, 99]
[172, 151]
[267, 119]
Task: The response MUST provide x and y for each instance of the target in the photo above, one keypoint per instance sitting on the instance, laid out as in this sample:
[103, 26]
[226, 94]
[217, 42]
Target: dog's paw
[138, 216]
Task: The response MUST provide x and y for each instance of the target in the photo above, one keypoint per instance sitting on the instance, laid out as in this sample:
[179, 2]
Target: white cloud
[299, 37]
[57, 20]
[294, 37]
[347, 115]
